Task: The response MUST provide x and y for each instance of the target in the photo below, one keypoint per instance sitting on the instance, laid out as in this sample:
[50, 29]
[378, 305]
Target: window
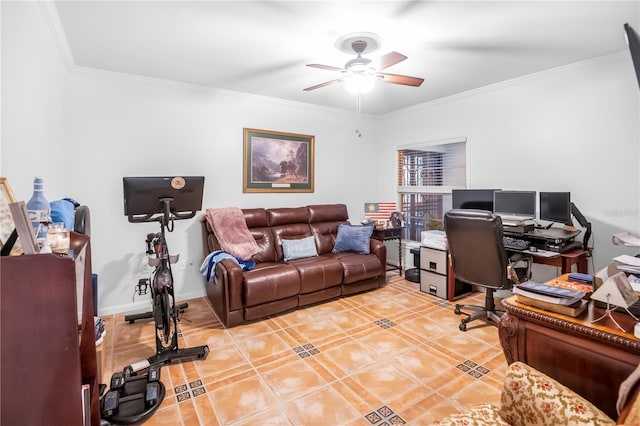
[426, 175]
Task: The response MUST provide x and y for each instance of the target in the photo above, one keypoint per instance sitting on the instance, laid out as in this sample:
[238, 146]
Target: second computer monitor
[478, 199]
[556, 207]
[515, 206]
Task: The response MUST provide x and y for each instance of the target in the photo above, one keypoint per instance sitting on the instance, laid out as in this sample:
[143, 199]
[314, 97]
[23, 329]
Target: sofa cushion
[327, 213]
[353, 238]
[358, 267]
[299, 249]
[288, 215]
[318, 273]
[325, 233]
[266, 243]
[269, 282]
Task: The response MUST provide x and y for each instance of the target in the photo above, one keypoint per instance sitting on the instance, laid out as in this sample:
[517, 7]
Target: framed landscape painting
[277, 161]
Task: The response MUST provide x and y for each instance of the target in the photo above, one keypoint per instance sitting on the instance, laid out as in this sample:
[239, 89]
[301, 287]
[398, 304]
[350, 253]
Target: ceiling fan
[362, 72]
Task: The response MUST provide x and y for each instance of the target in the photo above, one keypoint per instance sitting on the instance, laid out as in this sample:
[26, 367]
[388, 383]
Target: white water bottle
[39, 209]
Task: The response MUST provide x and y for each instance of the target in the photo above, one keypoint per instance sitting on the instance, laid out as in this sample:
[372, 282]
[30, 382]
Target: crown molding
[50, 13]
[513, 81]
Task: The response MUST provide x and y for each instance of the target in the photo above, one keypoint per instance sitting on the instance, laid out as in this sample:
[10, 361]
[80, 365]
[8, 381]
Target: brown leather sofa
[275, 285]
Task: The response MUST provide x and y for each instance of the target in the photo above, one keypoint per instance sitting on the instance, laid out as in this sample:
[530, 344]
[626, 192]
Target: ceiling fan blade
[318, 86]
[324, 67]
[401, 79]
[391, 58]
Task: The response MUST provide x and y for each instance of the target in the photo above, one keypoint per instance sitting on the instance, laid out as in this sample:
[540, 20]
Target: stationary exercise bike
[137, 392]
[165, 313]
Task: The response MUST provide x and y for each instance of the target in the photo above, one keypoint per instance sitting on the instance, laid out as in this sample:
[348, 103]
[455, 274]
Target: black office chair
[479, 258]
[82, 220]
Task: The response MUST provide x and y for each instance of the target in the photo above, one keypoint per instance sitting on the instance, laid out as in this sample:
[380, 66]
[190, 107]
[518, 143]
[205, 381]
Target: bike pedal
[110, 402]
[153, 392]
[154, 373]
[117, 380]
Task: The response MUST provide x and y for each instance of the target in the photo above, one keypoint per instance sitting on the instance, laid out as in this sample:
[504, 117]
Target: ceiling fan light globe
[360, 83]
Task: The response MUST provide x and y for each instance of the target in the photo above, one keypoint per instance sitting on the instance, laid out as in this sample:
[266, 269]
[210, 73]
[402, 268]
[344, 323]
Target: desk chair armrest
[516, 273]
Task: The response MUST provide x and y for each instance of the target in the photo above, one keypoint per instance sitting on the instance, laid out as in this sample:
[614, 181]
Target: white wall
[139, 127]
[34, 87]
[84, 130]
[97, 127]
[574, 129]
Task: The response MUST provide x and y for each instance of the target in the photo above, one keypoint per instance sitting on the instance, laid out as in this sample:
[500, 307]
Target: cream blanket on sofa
[231, 230]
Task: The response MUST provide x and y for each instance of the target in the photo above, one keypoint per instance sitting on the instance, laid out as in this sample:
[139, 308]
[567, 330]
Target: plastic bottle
[39, 209]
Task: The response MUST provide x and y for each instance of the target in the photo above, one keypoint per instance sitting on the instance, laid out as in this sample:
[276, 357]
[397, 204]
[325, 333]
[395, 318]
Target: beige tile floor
[394, 355]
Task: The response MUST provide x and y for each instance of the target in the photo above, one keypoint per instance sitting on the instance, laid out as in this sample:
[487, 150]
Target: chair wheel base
[463, 326]
[457, 310]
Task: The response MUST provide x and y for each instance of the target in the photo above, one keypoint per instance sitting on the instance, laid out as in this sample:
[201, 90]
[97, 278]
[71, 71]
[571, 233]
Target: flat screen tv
[477, 199]
[145, 197]
[633, 40]
[556, 207]
[514, 206]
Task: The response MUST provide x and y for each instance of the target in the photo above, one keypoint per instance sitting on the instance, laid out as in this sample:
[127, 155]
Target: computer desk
[565, 261]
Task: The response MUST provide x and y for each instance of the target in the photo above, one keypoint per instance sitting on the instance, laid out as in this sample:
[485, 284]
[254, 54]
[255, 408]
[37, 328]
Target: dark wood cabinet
[592, 359]
[47, 338]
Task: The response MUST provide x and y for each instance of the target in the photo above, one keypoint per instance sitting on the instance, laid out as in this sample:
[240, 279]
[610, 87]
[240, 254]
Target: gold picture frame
[6, 220]
[277, 161]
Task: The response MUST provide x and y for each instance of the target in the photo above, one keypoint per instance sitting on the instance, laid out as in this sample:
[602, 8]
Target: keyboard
[515, 244]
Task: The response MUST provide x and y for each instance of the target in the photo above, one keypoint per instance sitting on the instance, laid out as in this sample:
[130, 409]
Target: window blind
[426, 175]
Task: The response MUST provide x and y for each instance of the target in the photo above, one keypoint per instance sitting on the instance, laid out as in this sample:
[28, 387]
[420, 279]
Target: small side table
[391, 233]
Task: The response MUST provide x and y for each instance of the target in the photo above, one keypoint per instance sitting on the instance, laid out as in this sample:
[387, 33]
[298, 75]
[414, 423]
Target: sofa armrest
[529, 397]
[378, 248]
[229, 276]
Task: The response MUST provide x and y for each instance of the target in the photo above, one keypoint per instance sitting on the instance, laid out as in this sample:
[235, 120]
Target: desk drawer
[433, 260]
[433, 284]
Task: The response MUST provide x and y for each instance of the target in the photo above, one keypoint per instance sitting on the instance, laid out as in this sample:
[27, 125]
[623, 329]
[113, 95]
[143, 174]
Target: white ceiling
[262, 47]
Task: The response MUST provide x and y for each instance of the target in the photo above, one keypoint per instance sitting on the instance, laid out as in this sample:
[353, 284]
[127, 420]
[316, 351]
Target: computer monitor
[556, 207]
[143, 196]
[514, 206]
[478, 199]
[633, 40]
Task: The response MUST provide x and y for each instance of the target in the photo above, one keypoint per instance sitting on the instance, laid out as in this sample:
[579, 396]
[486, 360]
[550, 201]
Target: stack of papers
[434, 239]
[625, 239]
[627, 263]
[548, 293]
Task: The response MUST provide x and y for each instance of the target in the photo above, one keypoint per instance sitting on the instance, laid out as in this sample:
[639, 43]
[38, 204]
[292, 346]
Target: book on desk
[562, 300]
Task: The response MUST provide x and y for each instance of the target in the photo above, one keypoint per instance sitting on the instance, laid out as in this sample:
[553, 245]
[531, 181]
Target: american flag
[380, 210]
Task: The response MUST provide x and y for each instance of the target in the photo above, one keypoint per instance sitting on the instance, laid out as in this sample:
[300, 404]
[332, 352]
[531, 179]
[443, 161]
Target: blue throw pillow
[298, 249]
[353, 238]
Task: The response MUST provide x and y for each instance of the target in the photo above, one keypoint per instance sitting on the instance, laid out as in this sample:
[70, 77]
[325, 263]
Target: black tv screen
[477, 199]
[633, 40]
[556, 207]
[142, 195]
